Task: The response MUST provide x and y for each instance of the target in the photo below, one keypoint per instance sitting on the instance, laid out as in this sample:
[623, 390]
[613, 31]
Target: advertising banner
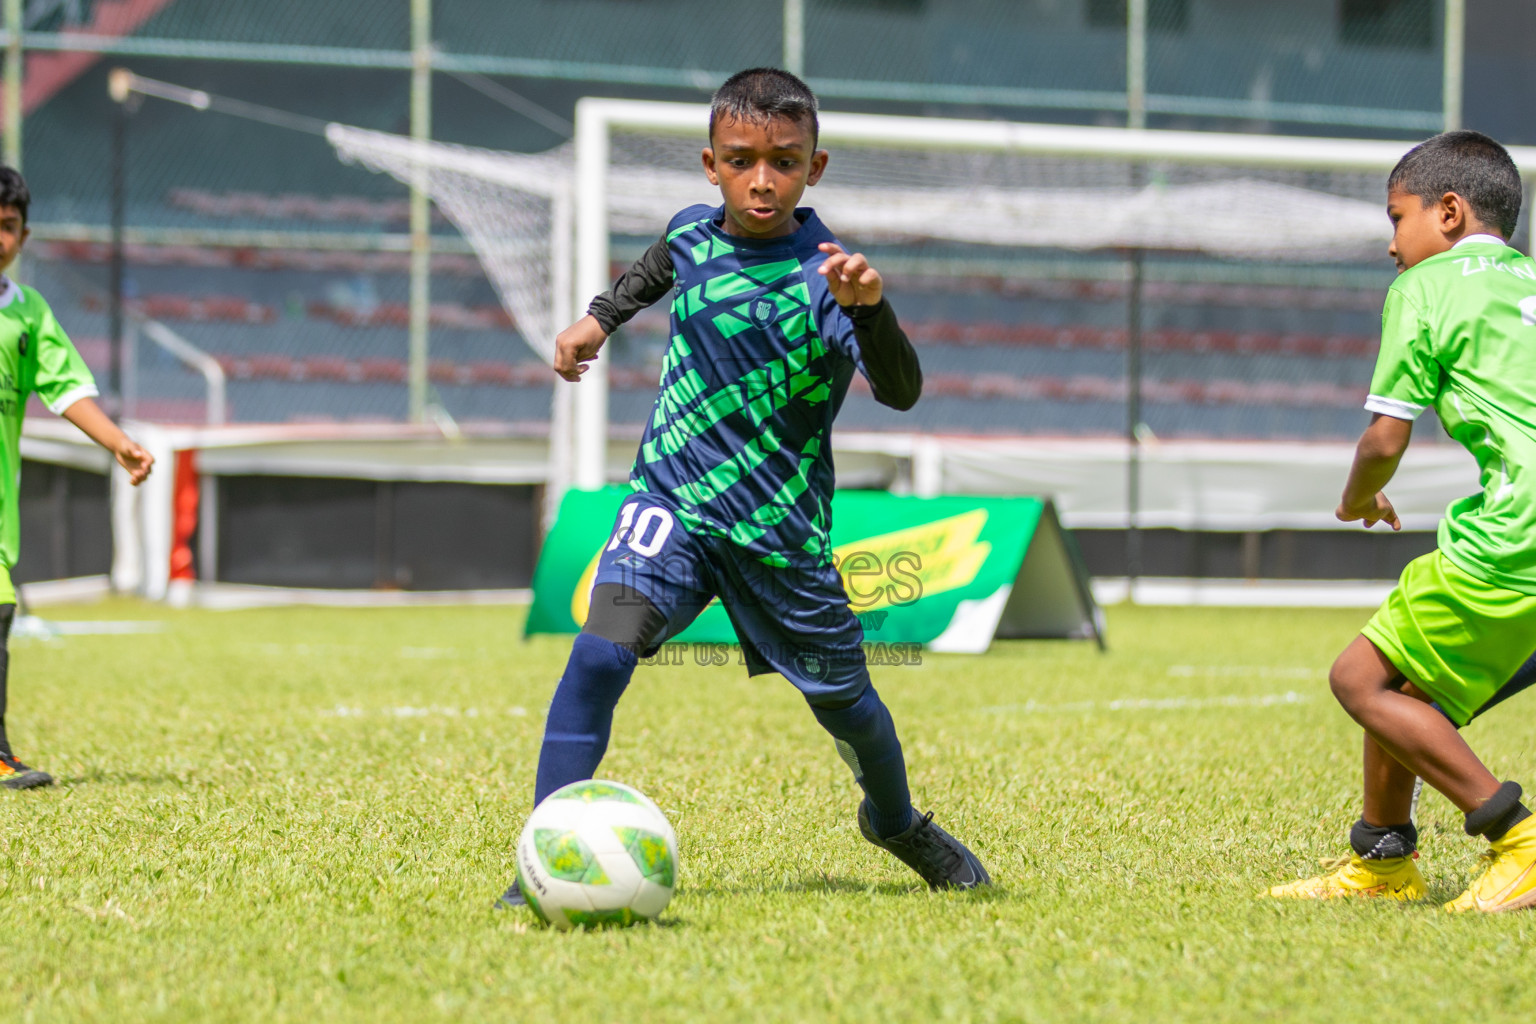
[949, 573]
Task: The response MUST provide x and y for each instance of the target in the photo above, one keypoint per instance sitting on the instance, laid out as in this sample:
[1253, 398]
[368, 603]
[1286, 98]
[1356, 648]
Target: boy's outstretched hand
[132, 457]
[850, 278]
[98, 426]
[577, 346]
[1376, 510]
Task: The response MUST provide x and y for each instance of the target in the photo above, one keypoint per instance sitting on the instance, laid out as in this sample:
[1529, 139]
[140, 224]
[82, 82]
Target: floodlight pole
[1136, 64]
[13, 83]
[1453, 62]
[1136, 120]
[421, 222]
[794, 37]
[120, 89]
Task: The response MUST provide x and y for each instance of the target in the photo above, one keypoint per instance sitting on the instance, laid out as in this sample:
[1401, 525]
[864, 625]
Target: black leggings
[624, 616]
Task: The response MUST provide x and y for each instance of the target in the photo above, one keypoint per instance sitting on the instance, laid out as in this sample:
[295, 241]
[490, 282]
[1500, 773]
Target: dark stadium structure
[254, 243]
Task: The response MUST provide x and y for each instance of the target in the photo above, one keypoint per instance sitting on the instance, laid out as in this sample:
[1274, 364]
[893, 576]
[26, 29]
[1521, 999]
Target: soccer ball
[597, 853]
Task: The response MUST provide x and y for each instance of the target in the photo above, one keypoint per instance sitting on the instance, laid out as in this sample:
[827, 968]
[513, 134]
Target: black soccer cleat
[511, 899]
[939, 857]
[15, 775]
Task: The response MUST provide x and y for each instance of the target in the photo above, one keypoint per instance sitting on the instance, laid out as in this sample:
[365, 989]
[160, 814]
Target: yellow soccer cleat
[1509, 882]
[1394, 878]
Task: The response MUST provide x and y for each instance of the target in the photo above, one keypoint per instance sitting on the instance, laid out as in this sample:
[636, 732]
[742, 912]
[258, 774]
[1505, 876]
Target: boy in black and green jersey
[36, 357]
[771, 320]
[1458, 336]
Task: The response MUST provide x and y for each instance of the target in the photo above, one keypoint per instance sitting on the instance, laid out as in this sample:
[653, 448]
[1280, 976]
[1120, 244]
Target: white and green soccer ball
[597, 853]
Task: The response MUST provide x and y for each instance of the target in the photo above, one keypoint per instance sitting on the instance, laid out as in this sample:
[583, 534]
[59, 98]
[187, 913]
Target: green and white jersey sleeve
[1459, 336]
[59, 375]
[1407, 376]
[36, 357]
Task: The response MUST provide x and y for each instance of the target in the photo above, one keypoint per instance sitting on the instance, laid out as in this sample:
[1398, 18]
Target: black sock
[1498, 814]
[1382, 842]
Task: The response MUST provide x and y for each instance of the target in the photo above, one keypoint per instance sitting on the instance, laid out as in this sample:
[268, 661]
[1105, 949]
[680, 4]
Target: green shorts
[7, 590]
[1455, 637]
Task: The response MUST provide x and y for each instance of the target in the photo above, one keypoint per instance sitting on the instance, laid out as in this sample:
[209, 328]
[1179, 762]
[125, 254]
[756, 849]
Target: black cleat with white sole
[512, 898]
[940, 858]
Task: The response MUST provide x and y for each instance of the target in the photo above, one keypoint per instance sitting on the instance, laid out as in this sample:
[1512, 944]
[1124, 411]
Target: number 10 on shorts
[632, 530]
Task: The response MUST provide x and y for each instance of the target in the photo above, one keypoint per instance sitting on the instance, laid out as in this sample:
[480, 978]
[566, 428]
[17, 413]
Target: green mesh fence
[259, 246]
[1359, 63]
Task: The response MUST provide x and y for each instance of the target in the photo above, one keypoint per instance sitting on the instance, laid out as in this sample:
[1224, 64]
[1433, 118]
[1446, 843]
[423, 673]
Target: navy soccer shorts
[795, 621]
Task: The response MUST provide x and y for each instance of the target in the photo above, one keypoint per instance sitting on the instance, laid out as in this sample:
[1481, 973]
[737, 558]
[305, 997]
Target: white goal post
[1136, 223]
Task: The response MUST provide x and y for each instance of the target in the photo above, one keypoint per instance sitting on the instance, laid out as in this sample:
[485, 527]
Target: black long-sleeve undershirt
[890, 362]
[647, 280]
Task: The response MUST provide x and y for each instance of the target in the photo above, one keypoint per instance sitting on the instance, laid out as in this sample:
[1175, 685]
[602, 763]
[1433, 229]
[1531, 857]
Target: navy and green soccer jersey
[760, 359]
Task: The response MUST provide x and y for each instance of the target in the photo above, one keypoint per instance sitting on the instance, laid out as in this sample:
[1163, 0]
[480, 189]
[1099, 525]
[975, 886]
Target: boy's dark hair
[14, 191]
[1470, 164]
[758, 95]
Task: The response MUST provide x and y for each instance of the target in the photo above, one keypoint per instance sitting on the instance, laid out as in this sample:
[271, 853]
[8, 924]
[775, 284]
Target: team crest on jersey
[813, 667]
[764, 312]
[24, 343]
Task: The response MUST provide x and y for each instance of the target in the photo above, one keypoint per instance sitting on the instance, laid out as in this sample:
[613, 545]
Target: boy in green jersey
[36, 357]
[1458, 335]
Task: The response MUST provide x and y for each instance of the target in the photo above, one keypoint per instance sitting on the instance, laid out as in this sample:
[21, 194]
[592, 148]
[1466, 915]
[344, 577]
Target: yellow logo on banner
[893, 568]
[918, 561]
[581, 600]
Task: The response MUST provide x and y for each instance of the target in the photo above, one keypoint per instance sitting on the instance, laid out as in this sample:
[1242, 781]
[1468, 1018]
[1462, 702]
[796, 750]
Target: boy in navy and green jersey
[36, 357]
[1458, 336]
[733, 482]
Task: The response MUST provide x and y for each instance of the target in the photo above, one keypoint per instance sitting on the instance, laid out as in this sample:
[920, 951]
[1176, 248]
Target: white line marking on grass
[409, 711]
[307, 649]
[1248, 671]
[30, 626]
[110, 910]
[118, 628]
[1150, 704]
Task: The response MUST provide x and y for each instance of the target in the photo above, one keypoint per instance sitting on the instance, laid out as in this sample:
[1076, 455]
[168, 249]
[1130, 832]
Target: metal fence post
[1133, 413]
[1136, 64]
[1454, 61]
[794, 37]
[117, 89]
[13, 83]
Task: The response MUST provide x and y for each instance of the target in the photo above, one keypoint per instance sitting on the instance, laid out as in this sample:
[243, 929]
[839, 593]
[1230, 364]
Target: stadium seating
[305, 335]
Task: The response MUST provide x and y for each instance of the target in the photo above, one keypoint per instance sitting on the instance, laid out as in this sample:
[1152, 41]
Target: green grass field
[304, 815]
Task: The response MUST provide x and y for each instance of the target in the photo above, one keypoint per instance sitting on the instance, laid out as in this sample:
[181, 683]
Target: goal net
[514, 209]
[900, 181]
[1028, 262]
